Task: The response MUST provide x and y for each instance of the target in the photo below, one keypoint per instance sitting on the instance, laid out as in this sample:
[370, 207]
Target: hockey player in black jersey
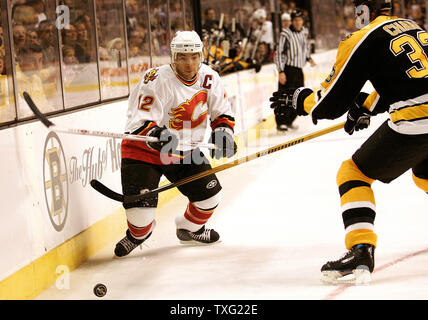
[392, 53]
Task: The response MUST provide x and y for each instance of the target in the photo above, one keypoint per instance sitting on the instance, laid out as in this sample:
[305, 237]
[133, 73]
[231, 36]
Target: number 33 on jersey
[391, 53]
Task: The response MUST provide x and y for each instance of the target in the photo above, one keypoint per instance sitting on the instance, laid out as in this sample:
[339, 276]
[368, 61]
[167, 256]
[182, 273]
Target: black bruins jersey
[390, 52]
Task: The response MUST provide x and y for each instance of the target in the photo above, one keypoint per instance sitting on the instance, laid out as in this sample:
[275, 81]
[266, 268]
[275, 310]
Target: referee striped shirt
[293, 49]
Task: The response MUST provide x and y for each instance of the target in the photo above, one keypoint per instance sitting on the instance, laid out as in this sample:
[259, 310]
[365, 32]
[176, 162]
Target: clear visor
[186, 57]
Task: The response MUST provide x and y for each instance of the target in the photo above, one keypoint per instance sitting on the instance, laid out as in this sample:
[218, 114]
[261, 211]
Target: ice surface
[279, 221]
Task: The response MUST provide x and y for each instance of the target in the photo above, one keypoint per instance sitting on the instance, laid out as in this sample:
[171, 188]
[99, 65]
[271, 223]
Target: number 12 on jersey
[145, 103]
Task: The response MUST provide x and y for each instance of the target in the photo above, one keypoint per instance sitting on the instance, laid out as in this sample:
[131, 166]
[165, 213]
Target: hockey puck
[100, 290]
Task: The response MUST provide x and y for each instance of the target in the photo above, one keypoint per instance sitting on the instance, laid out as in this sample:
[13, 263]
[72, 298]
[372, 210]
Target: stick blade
[106, 191]
[36, 110]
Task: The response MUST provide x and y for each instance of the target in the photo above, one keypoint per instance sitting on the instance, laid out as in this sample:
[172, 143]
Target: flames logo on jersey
[185, 112]
[150, 75]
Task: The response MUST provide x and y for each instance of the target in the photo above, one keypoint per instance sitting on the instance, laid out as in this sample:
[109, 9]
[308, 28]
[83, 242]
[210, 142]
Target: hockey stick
[51, 126]
[133, 198]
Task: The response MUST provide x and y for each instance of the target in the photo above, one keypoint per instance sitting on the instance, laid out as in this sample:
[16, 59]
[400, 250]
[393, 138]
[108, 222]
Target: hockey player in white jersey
[174, 103]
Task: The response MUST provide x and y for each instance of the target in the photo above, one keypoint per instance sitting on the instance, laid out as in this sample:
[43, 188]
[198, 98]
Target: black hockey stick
[36, 111]
[133, 198]
[51, 126]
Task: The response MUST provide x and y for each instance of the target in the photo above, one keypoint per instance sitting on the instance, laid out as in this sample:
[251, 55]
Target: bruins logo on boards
[55, 181]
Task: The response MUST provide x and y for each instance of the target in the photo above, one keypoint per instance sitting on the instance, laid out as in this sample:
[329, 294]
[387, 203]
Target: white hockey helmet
[259, 14]
[285, 17]
[186, 42]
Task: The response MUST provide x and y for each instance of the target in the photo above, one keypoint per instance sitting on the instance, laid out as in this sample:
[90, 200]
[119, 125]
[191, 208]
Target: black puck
[100, 290]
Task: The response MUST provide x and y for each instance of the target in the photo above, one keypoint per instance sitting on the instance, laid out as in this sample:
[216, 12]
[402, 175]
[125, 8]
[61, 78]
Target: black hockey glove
[290, 98]
[167, 143]
[222, 137]
[358, 117]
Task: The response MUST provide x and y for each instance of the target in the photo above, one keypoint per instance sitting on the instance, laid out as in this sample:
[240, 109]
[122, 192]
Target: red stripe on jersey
[149, 126]
[197, 215]
[223, 120]
[139, 150]
[138, 232]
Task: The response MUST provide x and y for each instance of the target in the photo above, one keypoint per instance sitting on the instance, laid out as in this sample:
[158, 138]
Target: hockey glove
[167, 143]
[290, 98]
[222, 137]
[358, 117]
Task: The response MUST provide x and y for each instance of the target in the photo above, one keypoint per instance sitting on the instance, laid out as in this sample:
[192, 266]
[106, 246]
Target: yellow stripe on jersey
[358, 194]
[371, 101]
[420, 183]
[309, 102]
[349, 171]
[360, 236]
[410, 113]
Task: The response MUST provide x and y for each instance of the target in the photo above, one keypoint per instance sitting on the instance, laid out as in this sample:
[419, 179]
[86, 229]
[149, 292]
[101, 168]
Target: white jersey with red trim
[165, 98]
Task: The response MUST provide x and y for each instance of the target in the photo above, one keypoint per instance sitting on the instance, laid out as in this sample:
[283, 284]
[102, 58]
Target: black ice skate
[127, 244]
[282, 127]
[353, 268]
[203, 235]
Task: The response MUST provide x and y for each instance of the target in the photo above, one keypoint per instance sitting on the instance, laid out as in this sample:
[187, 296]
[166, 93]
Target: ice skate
[202, 236]
[354, 267]
[282, 128]
[127, 244]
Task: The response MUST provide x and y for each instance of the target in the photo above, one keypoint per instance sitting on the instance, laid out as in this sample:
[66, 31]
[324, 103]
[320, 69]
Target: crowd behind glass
[66, 64]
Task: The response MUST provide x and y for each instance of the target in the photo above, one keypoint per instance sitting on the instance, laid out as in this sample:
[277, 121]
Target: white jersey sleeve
[146, 101]
[219, 107]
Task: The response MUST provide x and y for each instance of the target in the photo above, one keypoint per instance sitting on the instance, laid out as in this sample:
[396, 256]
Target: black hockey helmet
[297, 14]
[375, 6]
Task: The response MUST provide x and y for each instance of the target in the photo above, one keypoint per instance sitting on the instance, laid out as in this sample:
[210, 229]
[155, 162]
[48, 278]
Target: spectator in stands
[19, 36]
[32, 36]
[262, 54]
[30, 62]
[265, 27]
[2, 64]
[39, 9]
[211, 23]
[286, 20]
[30, 58]
[132, 12]
[115, 50]
[84, 43]
[69, 55]
[416, 13]
[397, 10]
[1, 40]
[24, 14]
[47, 40]
[69, 38]
[138, 43]
[283, 7]
[69, 35]
[175, 11]
[292, 6]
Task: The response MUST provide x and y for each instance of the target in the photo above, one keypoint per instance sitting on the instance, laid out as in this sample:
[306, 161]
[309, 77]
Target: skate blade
[359, 276]
[197, 243]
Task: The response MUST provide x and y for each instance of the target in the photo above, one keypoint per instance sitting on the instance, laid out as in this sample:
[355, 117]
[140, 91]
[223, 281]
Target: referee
[290, 57]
